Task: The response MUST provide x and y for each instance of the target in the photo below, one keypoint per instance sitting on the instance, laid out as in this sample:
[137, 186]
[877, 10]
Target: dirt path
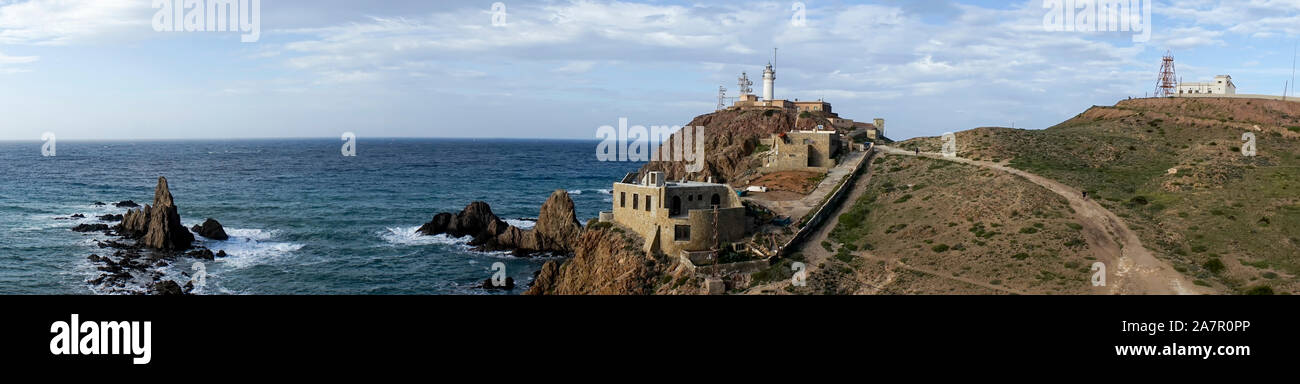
[892, 264]
[1130, 267]
[812, 249]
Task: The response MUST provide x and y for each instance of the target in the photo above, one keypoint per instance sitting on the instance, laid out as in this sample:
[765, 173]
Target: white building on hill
[1222, 85]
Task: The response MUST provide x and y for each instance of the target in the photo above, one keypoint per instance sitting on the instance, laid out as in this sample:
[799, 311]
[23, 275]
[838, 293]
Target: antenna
[774, 57]
[1293, 57]
[722, 97]
[745, 84]
[1167, 83]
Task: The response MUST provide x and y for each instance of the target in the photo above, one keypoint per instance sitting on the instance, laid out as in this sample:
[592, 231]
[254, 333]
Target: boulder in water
[211, 229]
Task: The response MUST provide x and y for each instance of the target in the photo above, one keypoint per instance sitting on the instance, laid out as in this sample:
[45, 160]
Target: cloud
[10, 64]
[63, 22]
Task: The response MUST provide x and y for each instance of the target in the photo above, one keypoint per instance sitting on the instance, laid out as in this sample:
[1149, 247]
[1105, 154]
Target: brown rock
[211, 229]
[158, 226]
[730, 137]
[604, 264]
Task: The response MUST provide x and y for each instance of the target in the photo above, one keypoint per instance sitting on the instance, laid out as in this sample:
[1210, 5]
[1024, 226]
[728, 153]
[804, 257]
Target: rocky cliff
[608, 262]
[730, 137]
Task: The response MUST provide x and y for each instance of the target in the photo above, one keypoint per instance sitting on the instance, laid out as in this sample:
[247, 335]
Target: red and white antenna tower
[1167, 84]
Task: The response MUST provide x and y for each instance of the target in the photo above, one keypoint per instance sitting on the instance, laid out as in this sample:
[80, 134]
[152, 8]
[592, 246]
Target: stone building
[812, 106]
[749, 101]
[686, 219]
[804, 151]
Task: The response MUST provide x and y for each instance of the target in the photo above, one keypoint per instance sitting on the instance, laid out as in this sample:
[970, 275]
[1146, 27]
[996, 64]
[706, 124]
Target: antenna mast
[745, 84]
[1167, 84]
[722, 97]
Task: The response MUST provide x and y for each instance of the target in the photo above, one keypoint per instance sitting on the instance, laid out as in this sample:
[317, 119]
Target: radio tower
[1167, 84]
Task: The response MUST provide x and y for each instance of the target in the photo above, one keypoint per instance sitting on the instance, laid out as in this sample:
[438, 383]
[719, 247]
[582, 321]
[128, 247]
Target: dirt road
[1130, 267]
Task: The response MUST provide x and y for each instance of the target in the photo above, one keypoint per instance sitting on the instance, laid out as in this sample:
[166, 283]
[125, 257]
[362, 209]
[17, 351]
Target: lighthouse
[769, 83]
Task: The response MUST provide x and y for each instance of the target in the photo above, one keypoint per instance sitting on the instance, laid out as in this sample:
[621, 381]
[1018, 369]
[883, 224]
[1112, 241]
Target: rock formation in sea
[556, 230]
[157, 226]
[211, 229]
[160, 240]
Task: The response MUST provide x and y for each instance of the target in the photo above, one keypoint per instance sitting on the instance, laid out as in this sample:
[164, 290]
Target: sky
[100, 69]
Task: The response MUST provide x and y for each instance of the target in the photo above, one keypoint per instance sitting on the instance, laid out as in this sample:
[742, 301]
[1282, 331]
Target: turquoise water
[303, 218]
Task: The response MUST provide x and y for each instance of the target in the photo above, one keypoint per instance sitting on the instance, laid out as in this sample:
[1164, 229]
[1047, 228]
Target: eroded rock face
[211, 229]
[556, 231]
[606, 262]
[730, 137]
[158, 226]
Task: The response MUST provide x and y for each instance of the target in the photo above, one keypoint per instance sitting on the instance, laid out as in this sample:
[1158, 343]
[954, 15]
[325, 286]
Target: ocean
[303, 219]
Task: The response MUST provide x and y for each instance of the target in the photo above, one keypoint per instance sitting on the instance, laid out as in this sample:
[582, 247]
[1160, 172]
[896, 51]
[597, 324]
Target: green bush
[1260, 290]
[1214, 266]
[941, 248]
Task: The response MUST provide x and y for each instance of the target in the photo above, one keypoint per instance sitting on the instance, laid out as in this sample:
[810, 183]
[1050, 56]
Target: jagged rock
[126, 204]
[202, 254]
[221, 253]
[90, 228]
[211, 229]
[167, 288]
[556, 231]
[606, 262]
[157, 226]
[78, 216]
[110, 218]
[509, 284]
[99, 204]
[475, 220]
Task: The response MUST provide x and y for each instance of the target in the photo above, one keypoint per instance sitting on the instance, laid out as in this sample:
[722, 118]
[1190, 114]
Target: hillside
[1174, 171]
[928, 226]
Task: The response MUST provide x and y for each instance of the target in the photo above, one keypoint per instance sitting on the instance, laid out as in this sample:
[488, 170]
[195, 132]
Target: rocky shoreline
[599, 259]
[146, 240]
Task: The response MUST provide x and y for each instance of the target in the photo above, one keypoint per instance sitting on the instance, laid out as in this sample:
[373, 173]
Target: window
[622, 199]
[717, 200]
[682, 233]
[676, 208]
[647, 203]
[635, 199]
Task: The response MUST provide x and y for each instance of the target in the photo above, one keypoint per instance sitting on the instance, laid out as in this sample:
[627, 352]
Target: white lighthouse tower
[769, 83]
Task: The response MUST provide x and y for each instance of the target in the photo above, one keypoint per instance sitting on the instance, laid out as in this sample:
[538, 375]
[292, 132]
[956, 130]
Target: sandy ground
[1131, 268]
[785, 204]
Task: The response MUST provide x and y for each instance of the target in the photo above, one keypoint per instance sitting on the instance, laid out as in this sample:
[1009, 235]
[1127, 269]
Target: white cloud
[12, 64]
[62, 22]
